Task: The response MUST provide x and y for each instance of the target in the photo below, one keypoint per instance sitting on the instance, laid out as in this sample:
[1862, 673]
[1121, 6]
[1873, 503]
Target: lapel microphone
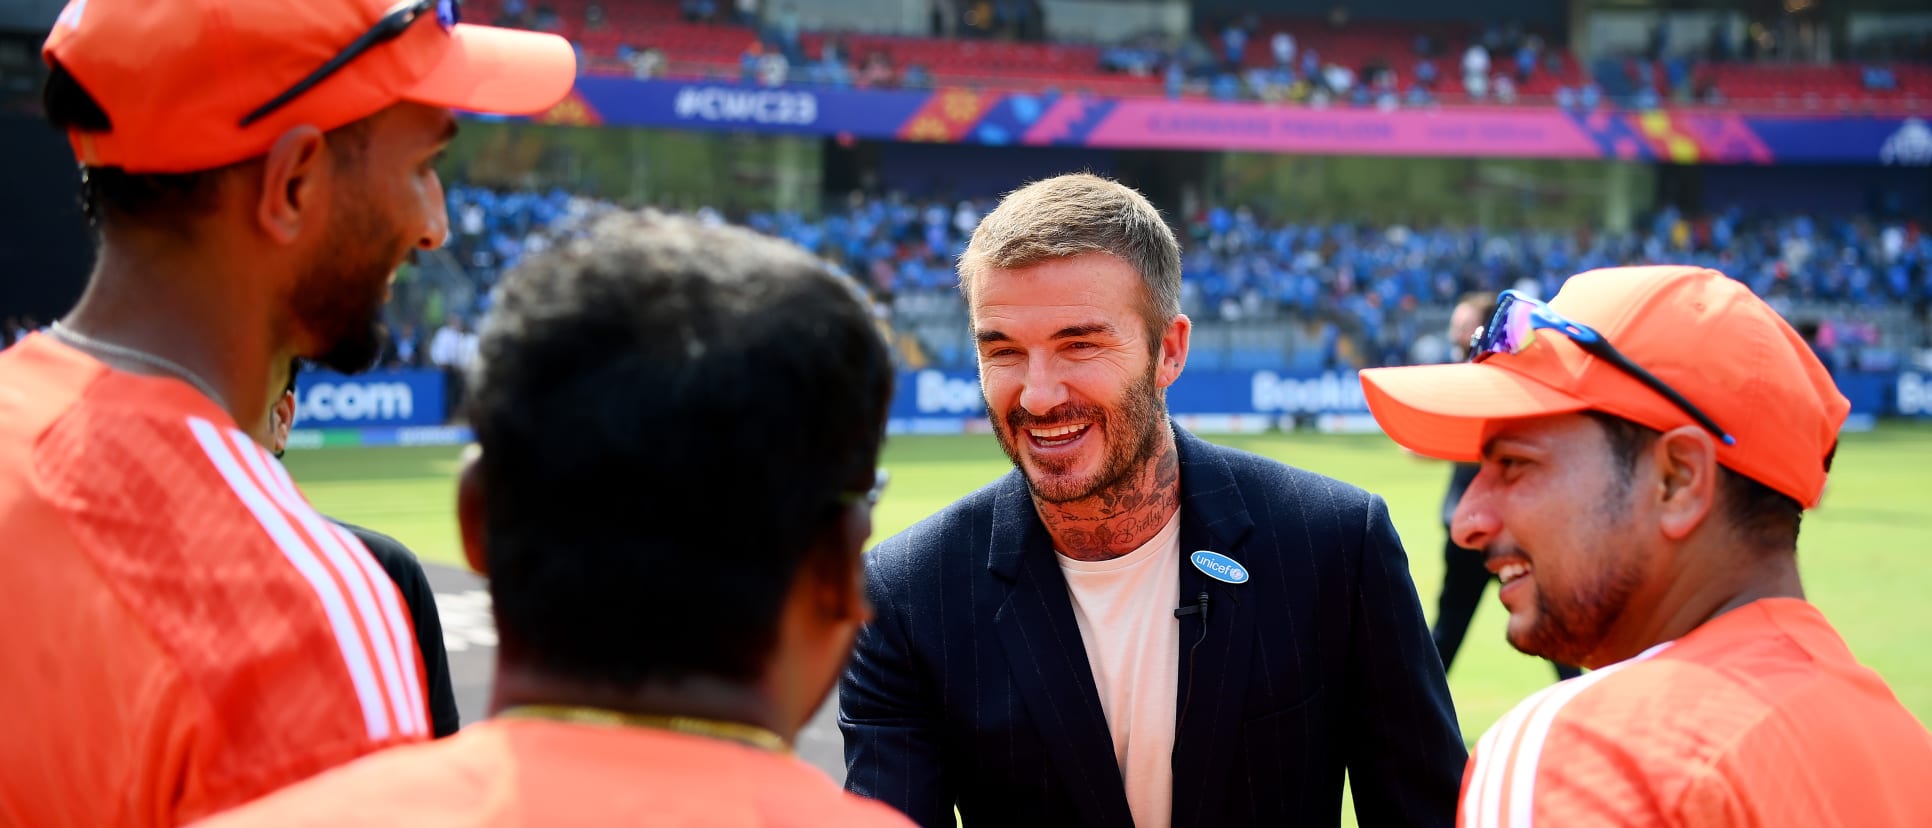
[1200, 608]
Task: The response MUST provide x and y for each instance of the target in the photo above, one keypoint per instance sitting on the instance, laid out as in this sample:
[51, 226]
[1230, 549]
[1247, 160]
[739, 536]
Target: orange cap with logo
[1700, 332]
[179, 79]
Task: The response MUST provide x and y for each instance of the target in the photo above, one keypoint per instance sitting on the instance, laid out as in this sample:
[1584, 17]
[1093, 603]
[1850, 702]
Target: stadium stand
[1364, 62]
[1371, 294]
[1835, 87]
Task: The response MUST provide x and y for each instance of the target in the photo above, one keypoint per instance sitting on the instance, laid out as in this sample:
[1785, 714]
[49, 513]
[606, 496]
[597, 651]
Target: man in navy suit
[1135, 627]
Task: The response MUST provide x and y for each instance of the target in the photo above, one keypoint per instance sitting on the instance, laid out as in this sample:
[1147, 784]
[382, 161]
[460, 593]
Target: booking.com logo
[331, 401]
[1331, 391]
[936, 393]
[1914, 394]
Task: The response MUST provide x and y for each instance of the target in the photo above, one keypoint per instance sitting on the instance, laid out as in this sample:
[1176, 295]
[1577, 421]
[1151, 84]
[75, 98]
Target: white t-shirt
[1284, 48]
[1125, 608]
[452, 348]
[1475, 61]
[445, 347]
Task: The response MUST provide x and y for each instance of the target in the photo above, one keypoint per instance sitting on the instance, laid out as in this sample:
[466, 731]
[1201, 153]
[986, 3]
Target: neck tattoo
[1116, 522]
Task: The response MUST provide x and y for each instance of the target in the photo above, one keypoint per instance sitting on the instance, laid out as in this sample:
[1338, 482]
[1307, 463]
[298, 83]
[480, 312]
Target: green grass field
[1866, 554]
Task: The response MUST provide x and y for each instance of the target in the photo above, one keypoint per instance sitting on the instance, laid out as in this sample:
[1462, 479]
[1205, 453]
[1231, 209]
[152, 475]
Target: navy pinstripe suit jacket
[971, 686]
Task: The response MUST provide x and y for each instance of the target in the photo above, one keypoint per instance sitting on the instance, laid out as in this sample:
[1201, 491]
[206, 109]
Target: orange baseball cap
[177, 77]
[1699, 331]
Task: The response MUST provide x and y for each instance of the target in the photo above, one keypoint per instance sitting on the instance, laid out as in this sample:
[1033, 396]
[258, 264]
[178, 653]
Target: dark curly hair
[668, 414]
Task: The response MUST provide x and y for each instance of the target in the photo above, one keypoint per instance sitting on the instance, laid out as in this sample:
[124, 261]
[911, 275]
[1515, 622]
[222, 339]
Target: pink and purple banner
[1202, 125]
[1008, 118]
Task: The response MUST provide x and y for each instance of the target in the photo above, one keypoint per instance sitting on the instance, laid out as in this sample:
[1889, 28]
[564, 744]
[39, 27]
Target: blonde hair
[1075, 214]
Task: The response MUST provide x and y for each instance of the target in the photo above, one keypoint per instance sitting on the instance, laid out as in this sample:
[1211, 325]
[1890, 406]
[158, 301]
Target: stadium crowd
[1369, 288]
[1237, 265]
[1372, 280]
[1246, 60]
[1332, 59]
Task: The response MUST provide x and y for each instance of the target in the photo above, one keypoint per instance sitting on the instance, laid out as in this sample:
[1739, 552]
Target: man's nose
[1474, 523]
[1043, 390]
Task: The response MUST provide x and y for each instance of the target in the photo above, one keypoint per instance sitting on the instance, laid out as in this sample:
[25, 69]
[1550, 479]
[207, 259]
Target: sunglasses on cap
[391, 26]
[1517, 319]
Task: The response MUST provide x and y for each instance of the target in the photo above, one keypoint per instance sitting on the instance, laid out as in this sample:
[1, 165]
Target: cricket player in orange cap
[184, 632]
[1649, 441]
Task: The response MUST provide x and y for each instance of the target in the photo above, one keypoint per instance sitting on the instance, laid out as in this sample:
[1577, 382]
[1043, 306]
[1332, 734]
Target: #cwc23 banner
[1075, 120]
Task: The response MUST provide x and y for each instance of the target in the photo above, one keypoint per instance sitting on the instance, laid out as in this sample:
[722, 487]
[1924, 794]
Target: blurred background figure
[453, 349]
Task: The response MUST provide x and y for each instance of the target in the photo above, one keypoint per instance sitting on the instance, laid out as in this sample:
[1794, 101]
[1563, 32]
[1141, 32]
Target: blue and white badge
[1220, 567]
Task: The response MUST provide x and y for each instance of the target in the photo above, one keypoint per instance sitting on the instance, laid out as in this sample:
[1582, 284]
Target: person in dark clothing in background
[1464, 577]
[398, 562]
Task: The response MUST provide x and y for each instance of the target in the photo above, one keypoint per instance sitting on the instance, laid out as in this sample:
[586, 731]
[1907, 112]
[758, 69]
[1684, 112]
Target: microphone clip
[1200, 607]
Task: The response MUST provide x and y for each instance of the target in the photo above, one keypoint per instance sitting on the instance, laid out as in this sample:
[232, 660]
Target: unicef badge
[1220, 567]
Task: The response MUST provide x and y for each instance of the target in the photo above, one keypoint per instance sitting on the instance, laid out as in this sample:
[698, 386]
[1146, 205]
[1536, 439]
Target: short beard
[1133, 440]
[1570, 629]
[339, 297]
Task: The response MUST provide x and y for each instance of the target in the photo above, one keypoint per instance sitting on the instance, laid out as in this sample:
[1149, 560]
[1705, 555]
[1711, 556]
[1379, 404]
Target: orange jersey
[184, 633]
[1759, 717]
[516, 772]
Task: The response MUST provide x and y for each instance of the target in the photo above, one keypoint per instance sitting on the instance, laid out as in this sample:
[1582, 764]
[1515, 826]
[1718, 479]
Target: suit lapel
[1047, 660]
[1214, 673]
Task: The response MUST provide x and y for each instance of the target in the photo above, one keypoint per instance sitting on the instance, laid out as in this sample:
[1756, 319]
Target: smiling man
[1648, 442]
[185, 633]
[1135, 626]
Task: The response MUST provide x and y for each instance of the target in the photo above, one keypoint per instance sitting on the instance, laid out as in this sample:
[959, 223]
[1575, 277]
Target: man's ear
[471, 510]
[292, 183]
[1686, 471]
[281, 419]
[1173, 353]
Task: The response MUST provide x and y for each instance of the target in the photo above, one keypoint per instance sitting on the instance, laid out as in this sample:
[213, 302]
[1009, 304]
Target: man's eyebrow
[1494, 443]
[1068, 332]
[1088, 329]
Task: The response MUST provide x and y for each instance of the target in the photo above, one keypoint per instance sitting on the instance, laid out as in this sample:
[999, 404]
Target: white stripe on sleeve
[343, 562]
[1472, 791]
[342, 622]
[400, 627]
[1487, 784]
[1522, 772]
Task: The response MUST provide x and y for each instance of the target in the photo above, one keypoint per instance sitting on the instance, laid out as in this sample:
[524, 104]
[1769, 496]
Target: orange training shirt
[1760, 717]
[531, 772]
[183, 633]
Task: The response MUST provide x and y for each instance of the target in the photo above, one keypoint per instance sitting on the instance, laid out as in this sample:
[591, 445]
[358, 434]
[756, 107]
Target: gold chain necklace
[739, 732]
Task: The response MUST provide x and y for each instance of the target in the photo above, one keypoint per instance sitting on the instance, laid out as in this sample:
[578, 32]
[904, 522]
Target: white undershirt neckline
[1125, 610]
